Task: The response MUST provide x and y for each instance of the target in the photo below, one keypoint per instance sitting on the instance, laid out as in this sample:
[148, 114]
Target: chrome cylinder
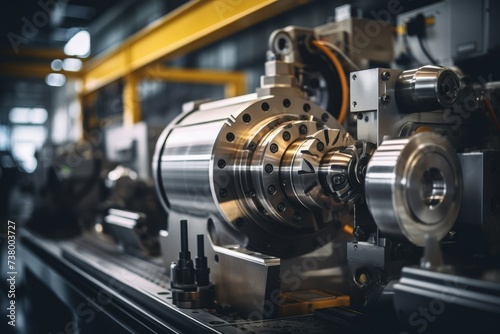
[427, 88]
[413, 187]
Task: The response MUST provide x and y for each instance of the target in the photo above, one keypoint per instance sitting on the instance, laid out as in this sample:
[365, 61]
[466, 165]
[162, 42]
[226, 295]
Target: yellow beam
[31, 70]
[190, 27]
[234, 82]
[131, 101]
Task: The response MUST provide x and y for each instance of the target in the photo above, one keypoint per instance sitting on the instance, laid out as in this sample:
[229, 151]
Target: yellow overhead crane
[190, 27]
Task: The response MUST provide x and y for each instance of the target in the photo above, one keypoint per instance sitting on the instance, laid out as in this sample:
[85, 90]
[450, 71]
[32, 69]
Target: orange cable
[342, 76]
[492, 112]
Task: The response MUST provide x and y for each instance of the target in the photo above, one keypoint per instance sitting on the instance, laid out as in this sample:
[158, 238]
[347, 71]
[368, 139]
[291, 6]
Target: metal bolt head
[281, 207]
[320, 146]
[223, 192]
[271, 189]
[337, 179]
[385, 75]
[354, 77]
[274, 148]
[354, 104]
[324, 117]
[268, 168]
[306, 107]
[303, 129]
[221, 163]
[286, 103]
[286, 136]
[385, 98]
[252, 146]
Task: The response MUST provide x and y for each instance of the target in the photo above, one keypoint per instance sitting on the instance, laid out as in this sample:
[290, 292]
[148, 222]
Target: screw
[251, 146]
[265, 106]
[271, 189]
[286, 103]
[281, 207]
[306, 107]
[385, 75]
[360, 115]
[297, 217]
[230, 136]
[269, 168]
[355, 247]
[385, 98]
[354, 104]
[240, 222]
[247, 118]
[221, 163]
[274, 148]
[337, 179]
[320, 146]
[223, 192]
[286, 136]
[324, 117]
[367, 119]
[354, 77]
[303, 129]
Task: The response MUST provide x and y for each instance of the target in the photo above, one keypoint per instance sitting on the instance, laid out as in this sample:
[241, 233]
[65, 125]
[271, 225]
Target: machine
[277, 186]
[350, 193]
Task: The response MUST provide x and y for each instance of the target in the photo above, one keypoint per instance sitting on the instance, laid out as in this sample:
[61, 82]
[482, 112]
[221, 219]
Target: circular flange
[414, 187]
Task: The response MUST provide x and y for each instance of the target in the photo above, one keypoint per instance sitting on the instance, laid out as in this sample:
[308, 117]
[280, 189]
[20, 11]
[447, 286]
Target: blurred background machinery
[327, 177]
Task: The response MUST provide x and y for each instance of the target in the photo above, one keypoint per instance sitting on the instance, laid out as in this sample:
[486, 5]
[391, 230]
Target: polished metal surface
[427, 88]
[245, 162]
[414, 187]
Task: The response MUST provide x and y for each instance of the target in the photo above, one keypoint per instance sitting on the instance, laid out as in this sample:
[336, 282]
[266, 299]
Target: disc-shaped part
[414, 187]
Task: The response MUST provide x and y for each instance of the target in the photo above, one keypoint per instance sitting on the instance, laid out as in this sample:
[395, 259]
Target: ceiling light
[56, 65]
[55, 79]
[78, 45]
[72, 64]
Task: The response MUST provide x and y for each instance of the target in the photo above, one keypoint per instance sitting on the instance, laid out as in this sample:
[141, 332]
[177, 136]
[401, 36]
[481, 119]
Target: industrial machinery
[345, 193]
[274, 182]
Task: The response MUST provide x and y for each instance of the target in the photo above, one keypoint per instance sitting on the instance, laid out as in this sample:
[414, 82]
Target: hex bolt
[385, 75]
[286, 136]
[281, 207]
[221, 163]
[320, 146]
[385, 98]
[268, 168]
[273, 148]
[303, 129]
